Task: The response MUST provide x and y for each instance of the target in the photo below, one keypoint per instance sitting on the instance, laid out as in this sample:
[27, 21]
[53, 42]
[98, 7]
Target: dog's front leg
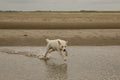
[63, 55]
[66, 53]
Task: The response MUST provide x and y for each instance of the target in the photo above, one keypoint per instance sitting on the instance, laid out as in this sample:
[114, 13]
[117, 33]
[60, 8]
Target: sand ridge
[51, 20]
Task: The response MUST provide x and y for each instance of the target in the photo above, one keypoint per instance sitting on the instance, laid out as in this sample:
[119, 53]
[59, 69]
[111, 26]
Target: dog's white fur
[57, 45]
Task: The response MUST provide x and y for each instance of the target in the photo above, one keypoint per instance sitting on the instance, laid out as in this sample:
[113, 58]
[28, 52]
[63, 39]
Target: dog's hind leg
[47, 52]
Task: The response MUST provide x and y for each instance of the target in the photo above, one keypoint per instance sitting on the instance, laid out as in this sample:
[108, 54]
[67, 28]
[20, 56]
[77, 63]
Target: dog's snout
[64, 50]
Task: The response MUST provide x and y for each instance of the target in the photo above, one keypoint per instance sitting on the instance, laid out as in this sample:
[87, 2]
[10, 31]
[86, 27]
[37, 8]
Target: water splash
[35, 52]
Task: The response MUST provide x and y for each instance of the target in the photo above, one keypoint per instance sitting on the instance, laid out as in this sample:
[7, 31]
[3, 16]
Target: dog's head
[63, 45]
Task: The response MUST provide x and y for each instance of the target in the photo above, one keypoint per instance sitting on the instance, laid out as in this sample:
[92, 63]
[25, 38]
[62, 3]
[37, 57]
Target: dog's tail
[47, 40]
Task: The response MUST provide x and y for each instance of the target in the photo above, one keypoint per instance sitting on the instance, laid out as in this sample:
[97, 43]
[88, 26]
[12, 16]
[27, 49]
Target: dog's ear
[59, 43]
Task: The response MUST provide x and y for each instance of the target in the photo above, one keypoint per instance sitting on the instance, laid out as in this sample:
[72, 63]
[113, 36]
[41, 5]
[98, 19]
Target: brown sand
[47, 20]
[75, 37]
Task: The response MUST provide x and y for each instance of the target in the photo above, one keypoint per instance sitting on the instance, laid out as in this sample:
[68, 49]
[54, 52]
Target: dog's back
[55, 43]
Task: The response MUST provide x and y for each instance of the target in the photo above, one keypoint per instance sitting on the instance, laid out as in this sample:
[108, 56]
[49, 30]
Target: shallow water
[84, 63]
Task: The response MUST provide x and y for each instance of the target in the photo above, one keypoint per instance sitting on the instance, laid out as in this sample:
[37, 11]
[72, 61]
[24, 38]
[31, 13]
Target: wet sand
[62, 20]
[84, 63]
[74, 37]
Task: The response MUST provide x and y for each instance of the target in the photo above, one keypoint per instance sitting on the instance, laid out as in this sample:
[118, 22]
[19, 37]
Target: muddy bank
[74, 37]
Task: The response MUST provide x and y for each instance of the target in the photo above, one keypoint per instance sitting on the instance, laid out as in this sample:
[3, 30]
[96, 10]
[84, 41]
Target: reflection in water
[56, 71]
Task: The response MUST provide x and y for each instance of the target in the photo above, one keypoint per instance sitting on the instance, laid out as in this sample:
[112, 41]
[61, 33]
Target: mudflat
[22, 41]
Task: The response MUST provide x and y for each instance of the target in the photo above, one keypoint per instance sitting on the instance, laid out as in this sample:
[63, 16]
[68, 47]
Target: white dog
[57, 45]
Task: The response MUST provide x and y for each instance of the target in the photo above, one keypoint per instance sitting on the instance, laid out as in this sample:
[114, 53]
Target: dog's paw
[46, 58]
[42, 57]
[65, 59]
